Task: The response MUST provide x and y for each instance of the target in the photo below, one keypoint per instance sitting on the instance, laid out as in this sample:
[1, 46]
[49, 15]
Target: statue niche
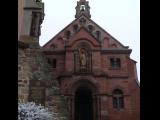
[82, 59]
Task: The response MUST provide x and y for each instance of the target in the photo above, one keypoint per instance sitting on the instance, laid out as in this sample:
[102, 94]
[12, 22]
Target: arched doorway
[83, 99]
[83, 104]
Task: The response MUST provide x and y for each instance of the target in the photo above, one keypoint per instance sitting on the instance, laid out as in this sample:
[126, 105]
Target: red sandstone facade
[83, 55]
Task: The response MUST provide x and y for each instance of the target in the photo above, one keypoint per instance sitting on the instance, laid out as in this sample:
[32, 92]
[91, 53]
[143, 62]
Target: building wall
[33, 66]
[103, 76]
[20, 15]
[25, 15]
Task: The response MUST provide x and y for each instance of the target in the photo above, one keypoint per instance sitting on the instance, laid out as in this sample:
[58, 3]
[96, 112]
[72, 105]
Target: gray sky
[121, 18]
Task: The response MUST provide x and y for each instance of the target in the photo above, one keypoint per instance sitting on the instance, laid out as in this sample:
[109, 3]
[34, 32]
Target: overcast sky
[121, 18]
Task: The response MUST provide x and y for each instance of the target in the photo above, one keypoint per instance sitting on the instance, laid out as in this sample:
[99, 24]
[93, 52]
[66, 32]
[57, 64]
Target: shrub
[31, 111]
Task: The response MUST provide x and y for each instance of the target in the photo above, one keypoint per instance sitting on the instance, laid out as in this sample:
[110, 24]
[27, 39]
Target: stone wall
[23, 75]
[33, 66]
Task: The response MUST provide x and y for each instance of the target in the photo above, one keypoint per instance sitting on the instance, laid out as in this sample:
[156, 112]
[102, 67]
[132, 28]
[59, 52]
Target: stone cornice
[103, 51]
[118, 76]
[109, 50]
[32, 8]
[70, 74]
[33, 4]
[22, 44]
[116, 51]
[48, 52]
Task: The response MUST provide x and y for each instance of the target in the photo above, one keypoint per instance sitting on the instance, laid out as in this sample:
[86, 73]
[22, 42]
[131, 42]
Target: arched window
[114, 46]
[98, 35]
[115, 63]
[68, 34]
[52, 62]
[90, 28]
[82, 21]
[118, 100]
[75, 28]
[33, 31]
[53, 46]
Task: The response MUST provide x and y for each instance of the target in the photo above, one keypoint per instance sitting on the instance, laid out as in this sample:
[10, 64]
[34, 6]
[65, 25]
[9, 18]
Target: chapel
[94, 70]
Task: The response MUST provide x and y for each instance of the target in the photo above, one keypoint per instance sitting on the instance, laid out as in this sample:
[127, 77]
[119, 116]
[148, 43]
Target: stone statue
[82, 56]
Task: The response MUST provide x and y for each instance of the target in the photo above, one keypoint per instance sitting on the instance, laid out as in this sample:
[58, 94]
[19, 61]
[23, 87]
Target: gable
[104, 34]
[97, 33]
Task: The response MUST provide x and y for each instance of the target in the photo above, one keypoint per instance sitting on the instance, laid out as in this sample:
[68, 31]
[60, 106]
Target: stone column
[103, 107]
[95, 108]
[72, 107]
[101, 110]
[70, 102]
[69, 61]
[98, 107]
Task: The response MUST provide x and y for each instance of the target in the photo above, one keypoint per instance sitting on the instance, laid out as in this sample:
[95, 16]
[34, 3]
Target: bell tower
[82, 8]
